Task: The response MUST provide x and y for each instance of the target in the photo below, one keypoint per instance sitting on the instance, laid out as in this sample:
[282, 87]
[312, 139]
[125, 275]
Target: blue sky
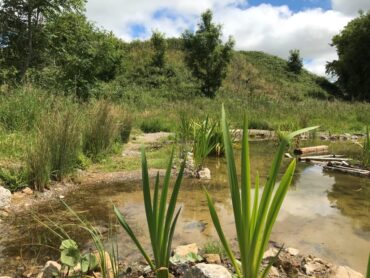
[273, 26]
[296, 5]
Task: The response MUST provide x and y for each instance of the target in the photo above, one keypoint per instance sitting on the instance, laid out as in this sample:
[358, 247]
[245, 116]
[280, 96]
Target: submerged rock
[203, 270]
[195, 225]
[204, 174]
[5, 197]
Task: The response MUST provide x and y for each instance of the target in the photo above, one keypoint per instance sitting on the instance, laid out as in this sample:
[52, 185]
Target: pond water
[324, 214]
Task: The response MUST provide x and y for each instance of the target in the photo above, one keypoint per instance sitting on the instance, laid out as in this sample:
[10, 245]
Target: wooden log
[348, 170]
[324, 158]
[315, 149]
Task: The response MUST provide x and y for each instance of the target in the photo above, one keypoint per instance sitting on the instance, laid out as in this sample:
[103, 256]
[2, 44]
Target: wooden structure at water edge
[347, 169]
[315, 149]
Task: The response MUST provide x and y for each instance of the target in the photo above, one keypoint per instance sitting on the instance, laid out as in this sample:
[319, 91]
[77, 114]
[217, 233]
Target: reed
[161, 222]
[253, 219]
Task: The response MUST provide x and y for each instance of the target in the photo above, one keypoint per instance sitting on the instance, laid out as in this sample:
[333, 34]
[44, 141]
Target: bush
[100, 131]
[13, 179]
[153, 125]
[20, 109]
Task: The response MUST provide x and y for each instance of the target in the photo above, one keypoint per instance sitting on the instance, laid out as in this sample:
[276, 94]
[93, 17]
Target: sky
[272, 26]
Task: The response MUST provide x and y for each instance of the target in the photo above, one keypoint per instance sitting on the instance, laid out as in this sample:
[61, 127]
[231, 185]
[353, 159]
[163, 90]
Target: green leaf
[88, 262]
[69, 255]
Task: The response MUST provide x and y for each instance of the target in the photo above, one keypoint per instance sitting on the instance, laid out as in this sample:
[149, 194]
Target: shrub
[259, 124]
[100, 131]
[13, 179]
[153, 125]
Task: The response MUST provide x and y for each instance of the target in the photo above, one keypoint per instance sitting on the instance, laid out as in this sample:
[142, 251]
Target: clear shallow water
[324, 214]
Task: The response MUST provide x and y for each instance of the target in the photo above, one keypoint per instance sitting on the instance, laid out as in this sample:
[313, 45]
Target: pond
[324, 214]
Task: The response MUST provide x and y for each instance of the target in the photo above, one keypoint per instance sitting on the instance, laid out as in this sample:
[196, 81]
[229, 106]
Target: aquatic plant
[204, 143]
[161, 223]
[253, 223]
[70, 254]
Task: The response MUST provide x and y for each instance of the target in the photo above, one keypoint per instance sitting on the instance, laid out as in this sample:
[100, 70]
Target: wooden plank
[314, 149]
[324, 158]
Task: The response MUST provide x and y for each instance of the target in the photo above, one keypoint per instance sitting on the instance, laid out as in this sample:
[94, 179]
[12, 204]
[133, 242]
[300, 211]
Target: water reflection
[325, 214]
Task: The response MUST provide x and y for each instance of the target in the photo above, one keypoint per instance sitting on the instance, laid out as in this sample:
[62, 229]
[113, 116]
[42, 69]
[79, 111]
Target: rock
[5, 197]
[324, 138]
[50, 270]
[274, 272]
[195, 225]
[354, 137]
[183, 250]
[212, 258]
[345, 272]
[270, 253]
[311, 267]
[203, 270]
[292, 251]
[204, 174]
[27, 191]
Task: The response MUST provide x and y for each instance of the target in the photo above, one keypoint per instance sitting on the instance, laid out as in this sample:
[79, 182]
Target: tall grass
[63, 136]
[101, 130]
[38, 163]
[54, 154]
[161, 222]
[253, 223]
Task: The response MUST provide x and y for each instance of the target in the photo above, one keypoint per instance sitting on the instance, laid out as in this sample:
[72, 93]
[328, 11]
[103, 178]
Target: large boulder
[5, 197]
[203, 270]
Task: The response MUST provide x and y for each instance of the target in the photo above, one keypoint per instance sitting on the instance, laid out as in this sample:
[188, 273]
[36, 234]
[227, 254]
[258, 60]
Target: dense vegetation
[352, 67]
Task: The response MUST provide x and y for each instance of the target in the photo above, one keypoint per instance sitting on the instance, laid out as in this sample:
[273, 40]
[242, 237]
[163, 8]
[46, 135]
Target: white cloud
[350, 7]
[273, 29]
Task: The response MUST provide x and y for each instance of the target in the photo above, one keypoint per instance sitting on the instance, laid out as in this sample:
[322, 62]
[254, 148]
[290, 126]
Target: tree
[206, 55]
[295, 63]
[81, 54]
[159, 44]
[21, 29]
[353, 67]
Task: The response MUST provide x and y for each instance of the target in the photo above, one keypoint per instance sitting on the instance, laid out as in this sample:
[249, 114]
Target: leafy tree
[352, 67]
[295, 63]
[206, 55]
[22, 34]
[159, 44]
[79, 54]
